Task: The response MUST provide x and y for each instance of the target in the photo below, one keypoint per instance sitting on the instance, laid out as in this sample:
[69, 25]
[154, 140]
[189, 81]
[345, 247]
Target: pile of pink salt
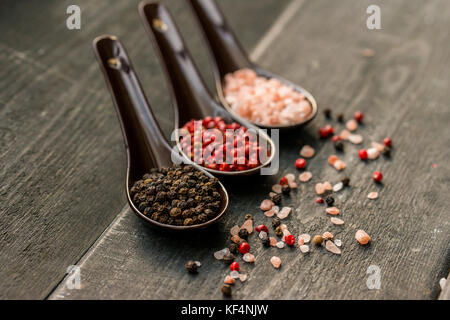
[265, 101]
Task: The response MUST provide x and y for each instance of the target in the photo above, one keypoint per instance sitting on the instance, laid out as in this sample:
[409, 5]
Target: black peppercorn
[285, 189]
[243, 233]
[340, 117]
[191, 266]
[228, 258]
[226, 290]
[329, 200]
[276, 222]
[276, 198]
[327, 113]
[339, 146]
[248, 216]
[266, 242]
[386, 152]
[234, 248]
[346, 181]
[278, 231]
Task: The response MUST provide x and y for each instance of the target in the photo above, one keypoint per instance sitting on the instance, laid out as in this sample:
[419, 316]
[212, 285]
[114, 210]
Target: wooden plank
[60, 144]
[403, 93]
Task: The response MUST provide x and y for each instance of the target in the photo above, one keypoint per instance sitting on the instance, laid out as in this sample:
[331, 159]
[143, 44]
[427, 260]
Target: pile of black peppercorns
[178, 195]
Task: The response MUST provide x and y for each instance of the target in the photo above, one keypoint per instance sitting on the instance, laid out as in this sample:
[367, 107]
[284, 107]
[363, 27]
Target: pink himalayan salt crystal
[332, 159]
[355, 138]
[286, 233]
[301, 242]
[243, 277]
[339, 165]
[236, 239]
[290, 177]
[304, 248]
[362, 237]
[378, 146]
[332, 210]
[330, 246]
[234, 230]
[293, 185]
[273, 241]
[368, 53]
[373, 195]
[351, 125]
[234, 274]
[276, 262]
[327, 186]
[272, 194]
[372, 153]
[344, 134]
[306, 237]
[229, 280]
[269, 213]
[248, 257]
[280, 244]
[248, 225]
[283, 227]
[276, 188]
[266, 205]
[320, 188]
[305, 176]
[328, 235]
[337, 221]
[284, 213]
[264, 101]
[307, 151]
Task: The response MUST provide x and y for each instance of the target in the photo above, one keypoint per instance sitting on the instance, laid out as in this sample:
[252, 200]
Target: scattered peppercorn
[234, 248]
[289, 239]
[339, 146]
[276, 223]
[228, 258]
[285, 189]
[377, 176]
[226, 290]
[319, 200]
[276, 198]
[300, 163]
[387, 142]
[191, 266]
[330, 201]
[234, 266]
[358, 116]
[243, 233]
[248, 216]
[340, 117]
[326, 131]
[284, 181]
[266, 242]
[244, 248]
[327, 113]
[318, 239]
[363, 155]
[336, 138]
[346, 181]
[262, 227]
[179, 195]
[278, 231]
[386, 152]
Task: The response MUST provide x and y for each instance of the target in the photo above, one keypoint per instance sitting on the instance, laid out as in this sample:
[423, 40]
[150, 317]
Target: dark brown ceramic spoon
[191, 98]
[229, 55]
[145, 144]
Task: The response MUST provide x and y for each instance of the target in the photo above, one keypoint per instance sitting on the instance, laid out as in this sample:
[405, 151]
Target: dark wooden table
[62, 200]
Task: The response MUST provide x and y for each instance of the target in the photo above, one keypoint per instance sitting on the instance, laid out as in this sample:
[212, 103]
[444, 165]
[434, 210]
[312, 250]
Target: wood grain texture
[403, 91]
[62, 154]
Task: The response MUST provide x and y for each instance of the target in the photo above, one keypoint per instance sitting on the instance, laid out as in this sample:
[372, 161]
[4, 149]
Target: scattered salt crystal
[332, 159]
[263, 235]
[221, 253]
[272, 194]
[280, 244]
[327, 235]
[362, 237]
[234, 274]
[373, 195]
[327, 186]
[372, 153]
[306, 237]
[378, 146]
[304, 248]
[236, 238]
[290, 177]
[276, 262]
[330, 246]
[284, 213]
[442, 283]
[286, 232]
[339, 165]
[276, 209]
[332, 210]
[198, 263]
[273, 241]
[293, 185]
[307, 152]
[338, 242]
[320, 189]
[344, 134]
[283, 227]
[243, 277]
[248, 225]
[368, 53]
[337, 221]
[234, 230]
[269, 213]
[266, 205]
[351, 125]
[276, 188]
[338, 187]
[301, 242]
[229, 280]
[305, 176]
[248, 257]
[355, 138]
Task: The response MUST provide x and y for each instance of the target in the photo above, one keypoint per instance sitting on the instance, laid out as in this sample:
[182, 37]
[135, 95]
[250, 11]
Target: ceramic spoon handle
[144, 139]
[226, 49]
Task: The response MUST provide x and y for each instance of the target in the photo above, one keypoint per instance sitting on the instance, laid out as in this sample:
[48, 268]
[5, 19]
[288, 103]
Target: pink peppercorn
[262, 227]
[289, 239]
[319, 200]
[300, 163]
[336, 138]
[284, 181]
[377, 176]
[387, 142]
[234, 266]
[358, 116]
[363, 154]
[244, 248]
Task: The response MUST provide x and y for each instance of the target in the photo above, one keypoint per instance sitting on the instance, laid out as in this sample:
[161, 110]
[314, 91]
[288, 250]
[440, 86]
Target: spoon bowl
[145, 144]
[190, 96]
[229, 56]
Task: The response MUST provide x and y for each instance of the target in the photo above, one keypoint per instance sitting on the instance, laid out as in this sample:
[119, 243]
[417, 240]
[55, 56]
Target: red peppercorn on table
[62, 197]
